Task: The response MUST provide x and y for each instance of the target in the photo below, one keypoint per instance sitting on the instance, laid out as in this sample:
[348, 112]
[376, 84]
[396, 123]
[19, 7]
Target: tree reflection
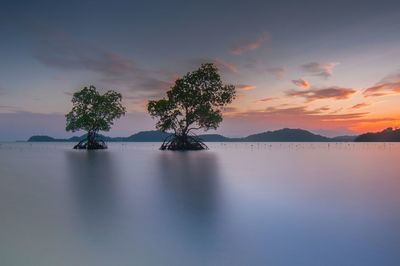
[189, 189]
[93, 183]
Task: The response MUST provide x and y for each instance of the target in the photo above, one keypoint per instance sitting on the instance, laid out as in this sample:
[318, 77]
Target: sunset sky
[331, 67]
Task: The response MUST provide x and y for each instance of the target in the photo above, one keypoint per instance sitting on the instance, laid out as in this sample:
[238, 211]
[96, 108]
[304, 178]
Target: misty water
[235, 204]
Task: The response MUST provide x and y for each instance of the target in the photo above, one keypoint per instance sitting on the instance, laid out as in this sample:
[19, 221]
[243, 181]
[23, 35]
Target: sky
[331, 67]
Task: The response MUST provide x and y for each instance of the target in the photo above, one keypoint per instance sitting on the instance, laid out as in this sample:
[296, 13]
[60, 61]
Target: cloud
[293, 113]
[245, 87]
[222, 65]
[296, 117]
[389, 85]
[61, 51]
[67, 54]
[250, 45]
[336, 93]
[299, 111]
[301, 83]
[303, 110]
[267, 99]
[155, 85]
[225, 66]
[150, 88]
[230, 110]
[337, 110]
[360, 106]
[324, 70]
[323, 109]
[278, 72]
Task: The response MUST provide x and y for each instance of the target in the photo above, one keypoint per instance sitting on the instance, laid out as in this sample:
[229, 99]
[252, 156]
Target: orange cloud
[250, 45]
[301, 83]
[268, 99]
[294, 113]
[336, 93]
[228, 110]
[323, 109]
[317, 118]
[319, 112]
[297, 117]
[383, 89]
[360, 105]
[390, 85]
[245, 87]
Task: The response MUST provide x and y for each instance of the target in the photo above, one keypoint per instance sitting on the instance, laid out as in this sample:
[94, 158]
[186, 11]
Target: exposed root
[90, 145]
[183, 143]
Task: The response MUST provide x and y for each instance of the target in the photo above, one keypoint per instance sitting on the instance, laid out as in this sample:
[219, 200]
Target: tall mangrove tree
[93, 112]
[194, 102]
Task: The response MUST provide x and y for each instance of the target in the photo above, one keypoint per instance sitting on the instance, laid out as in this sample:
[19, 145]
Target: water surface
[235, 204]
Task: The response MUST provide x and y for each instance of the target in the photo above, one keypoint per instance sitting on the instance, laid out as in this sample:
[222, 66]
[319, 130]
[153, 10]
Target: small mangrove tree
[93, 112]
[196, 101]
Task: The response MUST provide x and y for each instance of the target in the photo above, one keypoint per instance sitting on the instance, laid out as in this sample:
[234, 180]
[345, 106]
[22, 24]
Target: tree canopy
[93, 111]
[195, 102]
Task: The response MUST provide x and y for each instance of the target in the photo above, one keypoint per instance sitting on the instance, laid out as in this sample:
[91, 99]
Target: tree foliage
[195, 102]
[94, 112]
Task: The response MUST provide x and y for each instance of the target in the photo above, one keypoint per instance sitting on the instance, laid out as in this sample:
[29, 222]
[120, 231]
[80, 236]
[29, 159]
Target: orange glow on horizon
[365, 127]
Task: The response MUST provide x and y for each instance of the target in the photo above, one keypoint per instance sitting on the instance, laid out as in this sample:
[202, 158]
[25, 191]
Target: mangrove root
[90, 145]
[182, 143]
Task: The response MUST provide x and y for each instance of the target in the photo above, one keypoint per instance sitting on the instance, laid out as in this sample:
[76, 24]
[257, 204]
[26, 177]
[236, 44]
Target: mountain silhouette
[287, 134]
[142, 136]
[282, 135]
[387, 135]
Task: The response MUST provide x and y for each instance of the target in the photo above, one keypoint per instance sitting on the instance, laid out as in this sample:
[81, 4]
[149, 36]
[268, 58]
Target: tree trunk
[91, 140]
[90, 143]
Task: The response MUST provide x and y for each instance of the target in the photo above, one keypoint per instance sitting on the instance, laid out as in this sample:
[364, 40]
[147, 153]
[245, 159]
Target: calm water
[236, 204]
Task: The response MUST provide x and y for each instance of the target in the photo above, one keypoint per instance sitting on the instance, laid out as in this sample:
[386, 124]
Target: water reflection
[93, 182]
[190, 191]
[237, 204]
[191, 179]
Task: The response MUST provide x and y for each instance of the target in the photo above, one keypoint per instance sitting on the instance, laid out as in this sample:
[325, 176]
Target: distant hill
[143, 136]
[287, 135]
[214, 138]
[41, 139]
[282, 135]
[387, 135]
[147, 136]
